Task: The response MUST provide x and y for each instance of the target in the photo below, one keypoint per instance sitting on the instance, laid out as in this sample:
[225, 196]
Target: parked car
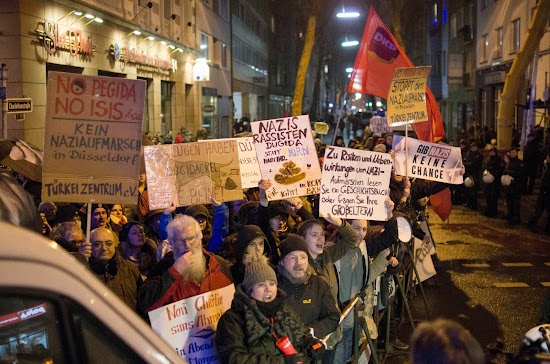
[54, 310]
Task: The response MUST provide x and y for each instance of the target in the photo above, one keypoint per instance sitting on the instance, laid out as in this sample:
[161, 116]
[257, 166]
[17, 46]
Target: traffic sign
[17, 106]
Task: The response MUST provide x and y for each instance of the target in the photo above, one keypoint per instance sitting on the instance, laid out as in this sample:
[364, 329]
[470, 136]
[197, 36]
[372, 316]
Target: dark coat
[313, 302]
[244, 333]
[120, 276]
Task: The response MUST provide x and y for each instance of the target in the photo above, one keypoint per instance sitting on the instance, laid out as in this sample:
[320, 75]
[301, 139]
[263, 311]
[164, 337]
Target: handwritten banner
[407, 96]
[189, 325]
[355, 183]
[248, 161]
[287, 156]
[434, 162]
[92, 139]
[379, 125]
[191, 173]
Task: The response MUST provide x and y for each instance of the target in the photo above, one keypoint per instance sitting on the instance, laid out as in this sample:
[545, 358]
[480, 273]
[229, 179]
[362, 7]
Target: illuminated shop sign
[16, 317]
[72, 40]
[142, 60]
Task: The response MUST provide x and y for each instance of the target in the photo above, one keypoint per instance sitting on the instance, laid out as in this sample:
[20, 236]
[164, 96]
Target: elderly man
[119, 275]
[187, 271]
[307, 294]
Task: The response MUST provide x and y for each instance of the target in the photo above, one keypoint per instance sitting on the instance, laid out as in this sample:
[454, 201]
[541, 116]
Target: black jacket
[245, 334]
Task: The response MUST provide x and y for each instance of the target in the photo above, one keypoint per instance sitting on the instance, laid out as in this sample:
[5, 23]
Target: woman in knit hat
[258, 317]
[249, 247]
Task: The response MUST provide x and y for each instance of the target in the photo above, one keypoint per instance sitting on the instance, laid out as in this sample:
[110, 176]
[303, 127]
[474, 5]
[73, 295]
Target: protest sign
[287, 156]
[321, 127]
[407, 97]
[431, 161]
[189, 326]
[92, 139]
[423, 252]
[191, 173]
[379, 125]
[355, 183]
[248, 161]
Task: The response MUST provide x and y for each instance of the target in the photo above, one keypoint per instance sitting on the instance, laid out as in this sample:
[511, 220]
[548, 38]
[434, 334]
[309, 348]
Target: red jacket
[169, 286]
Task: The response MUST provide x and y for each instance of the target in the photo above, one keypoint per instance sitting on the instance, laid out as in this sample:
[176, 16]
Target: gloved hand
[314, 348]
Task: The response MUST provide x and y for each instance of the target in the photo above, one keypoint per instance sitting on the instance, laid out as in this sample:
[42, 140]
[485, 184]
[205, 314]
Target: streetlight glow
[349, 70]
[350, 43]
[352, 14]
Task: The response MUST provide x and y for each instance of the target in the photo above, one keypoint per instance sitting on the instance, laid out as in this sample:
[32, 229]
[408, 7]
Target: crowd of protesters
[294, 272]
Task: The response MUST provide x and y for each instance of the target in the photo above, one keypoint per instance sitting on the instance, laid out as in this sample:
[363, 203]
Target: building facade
[502, 29]
[151, 40]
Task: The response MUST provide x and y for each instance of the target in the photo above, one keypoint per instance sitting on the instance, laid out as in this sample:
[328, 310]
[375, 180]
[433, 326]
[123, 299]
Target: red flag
[378, 56]
[441, 203]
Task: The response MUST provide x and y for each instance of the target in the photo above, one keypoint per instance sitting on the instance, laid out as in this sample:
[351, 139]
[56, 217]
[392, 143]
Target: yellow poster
[407, 97]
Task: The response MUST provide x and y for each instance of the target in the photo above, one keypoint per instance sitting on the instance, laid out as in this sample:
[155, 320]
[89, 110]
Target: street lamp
[350, 43]
[351, 14]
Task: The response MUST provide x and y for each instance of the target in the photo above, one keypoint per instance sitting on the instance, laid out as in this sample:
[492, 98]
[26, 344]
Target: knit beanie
[245, 235]
[381, 148]
[292, 243]
[257, 272]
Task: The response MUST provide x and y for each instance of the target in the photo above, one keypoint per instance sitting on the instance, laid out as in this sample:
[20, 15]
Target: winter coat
[166, 285]
[495, 166]
[312, 301]
[120, 276]
[323, 265]
[245, 335]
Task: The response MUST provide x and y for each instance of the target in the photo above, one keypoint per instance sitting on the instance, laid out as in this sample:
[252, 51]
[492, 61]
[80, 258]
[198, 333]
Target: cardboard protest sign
[379, 125]
[287, 156]
[189, 325]
[355, 183]
[248, 161]
[92, 139]
[191, 173]
[407, 97]
[431, 161]
[321, 127]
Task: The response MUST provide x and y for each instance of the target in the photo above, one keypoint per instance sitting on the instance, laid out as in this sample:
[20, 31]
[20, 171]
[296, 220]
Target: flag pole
[339, 118]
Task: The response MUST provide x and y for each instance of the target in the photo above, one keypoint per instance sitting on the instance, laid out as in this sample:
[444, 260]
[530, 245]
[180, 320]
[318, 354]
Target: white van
[53, 310]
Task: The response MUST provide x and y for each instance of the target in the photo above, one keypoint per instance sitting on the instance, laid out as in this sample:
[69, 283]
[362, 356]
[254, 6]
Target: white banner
[189, 325]
[287, 156]
[423, 259]
[248, 161]
[379, 125]
[424, 160]
[355, 183]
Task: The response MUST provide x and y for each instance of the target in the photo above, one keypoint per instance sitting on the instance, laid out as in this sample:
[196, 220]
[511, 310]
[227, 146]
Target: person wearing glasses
[119, 275]
[306, 293]
[188, 270]
[70, 236]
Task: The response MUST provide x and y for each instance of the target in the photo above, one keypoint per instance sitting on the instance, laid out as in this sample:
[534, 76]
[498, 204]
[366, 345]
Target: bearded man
[187, 271]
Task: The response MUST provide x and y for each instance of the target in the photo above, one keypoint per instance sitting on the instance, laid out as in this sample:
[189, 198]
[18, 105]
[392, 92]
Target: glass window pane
[30, 331]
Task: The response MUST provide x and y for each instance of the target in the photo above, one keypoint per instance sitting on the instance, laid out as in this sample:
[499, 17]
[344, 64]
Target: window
[223, 55]
[498, 44]
[34, 329]
[515, 35]
[166, 105]
[224, 9]
[484, 47]
[483, 4]
[204, 45]
[453, 26]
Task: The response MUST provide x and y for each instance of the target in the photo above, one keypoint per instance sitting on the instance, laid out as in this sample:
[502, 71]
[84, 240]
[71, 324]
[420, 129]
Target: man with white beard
[187, 271]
